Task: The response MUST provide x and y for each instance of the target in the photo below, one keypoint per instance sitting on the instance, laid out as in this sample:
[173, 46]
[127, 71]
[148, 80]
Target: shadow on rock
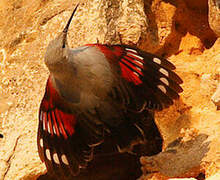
[179, 157]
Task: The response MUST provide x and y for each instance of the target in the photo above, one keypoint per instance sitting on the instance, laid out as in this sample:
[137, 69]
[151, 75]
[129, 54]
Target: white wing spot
[136, 56]
[48, 154]
[64, 159]
[139, 69]
[157, 60]
[165, 81]
[163, 71]
[41, 115]
[162, 88]
[138, 62]
[54, 130]
[132, 50]
[41, 142]
[48, 127]
[44, 125]
[55, 158]
[136, 74]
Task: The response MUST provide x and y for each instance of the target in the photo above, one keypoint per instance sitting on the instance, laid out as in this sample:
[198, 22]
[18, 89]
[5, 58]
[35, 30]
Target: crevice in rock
[10, 158]
[201, 176]
[23, 35]
[47, 18]
[187, 20]
[152, 25]
[17, 41]
[112, 13]
[180, 157]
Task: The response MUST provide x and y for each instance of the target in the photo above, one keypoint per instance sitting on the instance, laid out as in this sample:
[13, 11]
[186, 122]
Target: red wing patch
[151, 75]
[55, 120]
[130, 62]
[58, 144]
[110, 52]
[132, 66]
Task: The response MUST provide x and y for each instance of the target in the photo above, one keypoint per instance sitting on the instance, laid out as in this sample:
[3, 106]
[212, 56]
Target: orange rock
[175, 29]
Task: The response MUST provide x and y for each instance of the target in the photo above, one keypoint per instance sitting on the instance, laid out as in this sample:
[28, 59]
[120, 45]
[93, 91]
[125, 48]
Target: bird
[97, 115]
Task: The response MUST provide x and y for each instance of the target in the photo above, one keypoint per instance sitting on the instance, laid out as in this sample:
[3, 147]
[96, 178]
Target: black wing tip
[164, 63]
[45, 177]
[158, 108]
[177, 78]
[180, 90]
[167, 105]
[180, 81]
[166, 69]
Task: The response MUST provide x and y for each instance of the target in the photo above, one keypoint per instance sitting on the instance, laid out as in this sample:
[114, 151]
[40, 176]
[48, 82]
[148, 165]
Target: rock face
[216, 97]
[178, 30]
[214, 16]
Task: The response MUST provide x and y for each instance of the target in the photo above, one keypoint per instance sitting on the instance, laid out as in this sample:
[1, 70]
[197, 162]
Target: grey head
[57, 50]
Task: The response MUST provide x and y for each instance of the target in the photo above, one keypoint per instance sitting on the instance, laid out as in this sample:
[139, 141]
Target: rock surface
[178, 30]
[216, 97]
[214, 16]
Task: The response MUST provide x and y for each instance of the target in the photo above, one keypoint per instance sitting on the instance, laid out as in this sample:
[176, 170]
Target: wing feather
[148, 75]
[60, 144]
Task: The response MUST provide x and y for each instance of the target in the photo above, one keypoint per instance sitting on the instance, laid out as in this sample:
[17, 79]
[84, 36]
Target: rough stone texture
[187, 156]
[175, 29]
[216, 97]
[214, 16]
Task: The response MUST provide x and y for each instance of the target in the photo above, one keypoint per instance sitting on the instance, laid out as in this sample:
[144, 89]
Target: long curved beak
[65, 30]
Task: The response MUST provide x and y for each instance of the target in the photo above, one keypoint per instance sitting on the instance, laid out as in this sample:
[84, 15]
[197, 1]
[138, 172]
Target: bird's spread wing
[67, 141]
[60, 145]
[151, 79]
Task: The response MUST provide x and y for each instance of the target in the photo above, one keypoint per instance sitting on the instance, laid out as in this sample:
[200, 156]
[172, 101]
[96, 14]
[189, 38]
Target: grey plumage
[97, 103]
